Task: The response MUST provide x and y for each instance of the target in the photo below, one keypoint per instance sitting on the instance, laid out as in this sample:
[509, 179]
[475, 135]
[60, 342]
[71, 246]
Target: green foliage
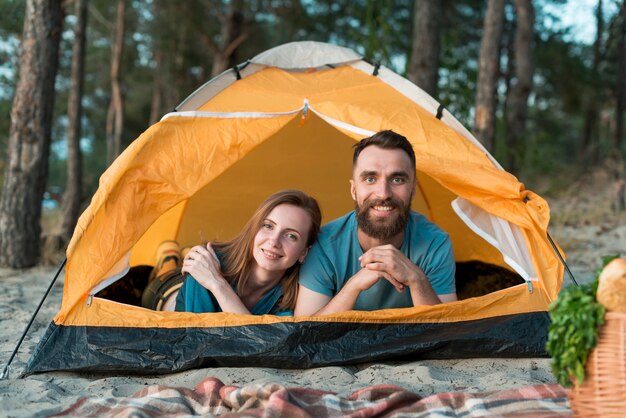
[378, 30]
[12, 12]
[573, 333]
[182, 34]
[460, 48]
[576, 317]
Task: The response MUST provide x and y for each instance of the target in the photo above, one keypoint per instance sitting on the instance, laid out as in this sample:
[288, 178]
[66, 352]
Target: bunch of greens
[576, 317]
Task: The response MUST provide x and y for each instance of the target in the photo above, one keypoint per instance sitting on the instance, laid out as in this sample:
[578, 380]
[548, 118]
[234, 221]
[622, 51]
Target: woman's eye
[292, 237]
[266, 226]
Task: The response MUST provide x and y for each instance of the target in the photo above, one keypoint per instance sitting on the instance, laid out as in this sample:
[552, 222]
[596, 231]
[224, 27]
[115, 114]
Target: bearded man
[383, 254]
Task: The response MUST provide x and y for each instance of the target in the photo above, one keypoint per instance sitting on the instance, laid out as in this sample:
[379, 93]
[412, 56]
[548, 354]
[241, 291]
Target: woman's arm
[204, 266]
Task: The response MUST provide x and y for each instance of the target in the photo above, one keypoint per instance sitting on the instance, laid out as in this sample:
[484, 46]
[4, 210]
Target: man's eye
[370, 180]
[398, 180]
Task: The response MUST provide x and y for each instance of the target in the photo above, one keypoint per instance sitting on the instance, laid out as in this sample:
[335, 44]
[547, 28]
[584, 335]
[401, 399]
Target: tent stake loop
[5, 372]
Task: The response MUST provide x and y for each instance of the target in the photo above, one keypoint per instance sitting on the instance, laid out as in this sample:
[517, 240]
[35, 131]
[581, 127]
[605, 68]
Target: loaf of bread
[612, 286]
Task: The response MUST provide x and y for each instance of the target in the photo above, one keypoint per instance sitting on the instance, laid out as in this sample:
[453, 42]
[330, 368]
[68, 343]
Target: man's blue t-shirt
[334, 258]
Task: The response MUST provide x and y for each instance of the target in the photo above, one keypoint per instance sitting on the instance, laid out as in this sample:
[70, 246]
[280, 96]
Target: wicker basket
[603, 393]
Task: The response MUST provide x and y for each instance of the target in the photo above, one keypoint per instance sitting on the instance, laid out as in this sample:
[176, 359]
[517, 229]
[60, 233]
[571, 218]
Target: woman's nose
[274, 239]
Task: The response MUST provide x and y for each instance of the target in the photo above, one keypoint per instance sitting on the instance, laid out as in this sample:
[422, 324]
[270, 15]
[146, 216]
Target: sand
[45, 394]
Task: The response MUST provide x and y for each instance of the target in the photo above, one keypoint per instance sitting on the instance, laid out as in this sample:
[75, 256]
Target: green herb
[575, 319]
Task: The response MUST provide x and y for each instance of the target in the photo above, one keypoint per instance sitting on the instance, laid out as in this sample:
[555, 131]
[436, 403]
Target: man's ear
[352, 190]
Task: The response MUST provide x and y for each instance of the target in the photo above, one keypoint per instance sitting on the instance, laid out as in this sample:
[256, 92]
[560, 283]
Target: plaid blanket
[211, 397]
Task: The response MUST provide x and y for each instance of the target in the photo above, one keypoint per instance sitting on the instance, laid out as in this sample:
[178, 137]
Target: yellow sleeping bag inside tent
[288, 118]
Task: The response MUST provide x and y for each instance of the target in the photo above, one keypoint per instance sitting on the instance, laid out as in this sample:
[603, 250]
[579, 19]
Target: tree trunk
[115, 116]
[72, 196]
[158, 85]
[508, 49]
[618, 137]
[29, 136]
[178, 52]
[232, 35]
[517, 100]
[488, 72]
[426, 40]
[590, 141]
[157, 88]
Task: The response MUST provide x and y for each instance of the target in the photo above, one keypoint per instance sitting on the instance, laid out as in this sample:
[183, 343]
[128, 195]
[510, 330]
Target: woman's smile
[271, 255]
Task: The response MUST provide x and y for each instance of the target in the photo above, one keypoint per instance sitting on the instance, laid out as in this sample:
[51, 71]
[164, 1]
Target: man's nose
[383, 190]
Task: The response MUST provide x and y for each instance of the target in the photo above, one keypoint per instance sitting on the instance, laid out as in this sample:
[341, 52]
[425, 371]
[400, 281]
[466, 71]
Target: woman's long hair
[237, 256]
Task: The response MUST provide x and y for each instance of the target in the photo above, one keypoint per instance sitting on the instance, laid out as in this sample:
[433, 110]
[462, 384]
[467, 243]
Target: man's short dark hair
[385, 140]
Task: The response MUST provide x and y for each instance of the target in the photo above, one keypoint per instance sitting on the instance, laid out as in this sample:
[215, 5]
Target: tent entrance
[310, 155]
[313, 156]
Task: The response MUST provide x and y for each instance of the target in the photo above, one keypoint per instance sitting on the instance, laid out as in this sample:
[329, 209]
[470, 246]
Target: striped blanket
[211, 397]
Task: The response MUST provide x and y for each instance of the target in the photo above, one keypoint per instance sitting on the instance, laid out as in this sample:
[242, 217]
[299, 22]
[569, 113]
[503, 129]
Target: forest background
[81, 79]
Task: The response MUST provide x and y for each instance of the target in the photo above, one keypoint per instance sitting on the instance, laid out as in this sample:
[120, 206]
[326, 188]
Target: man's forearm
[422, 293]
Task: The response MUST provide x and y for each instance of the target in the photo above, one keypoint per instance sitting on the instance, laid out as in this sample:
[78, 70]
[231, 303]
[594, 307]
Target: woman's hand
[202, 263]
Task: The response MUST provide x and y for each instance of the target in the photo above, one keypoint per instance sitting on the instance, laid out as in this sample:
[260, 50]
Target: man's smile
[383, 208]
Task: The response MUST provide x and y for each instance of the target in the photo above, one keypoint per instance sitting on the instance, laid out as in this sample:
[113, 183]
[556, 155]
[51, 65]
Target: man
[381, 255]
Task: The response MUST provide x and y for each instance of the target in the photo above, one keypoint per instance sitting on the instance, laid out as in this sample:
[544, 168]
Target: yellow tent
[288, 119]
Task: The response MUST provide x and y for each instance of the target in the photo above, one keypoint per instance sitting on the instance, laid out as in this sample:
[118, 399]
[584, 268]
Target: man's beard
[382, 228]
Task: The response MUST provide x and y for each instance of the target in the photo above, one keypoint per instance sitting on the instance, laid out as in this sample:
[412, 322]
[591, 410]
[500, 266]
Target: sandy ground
[45, 394]
[40, 395]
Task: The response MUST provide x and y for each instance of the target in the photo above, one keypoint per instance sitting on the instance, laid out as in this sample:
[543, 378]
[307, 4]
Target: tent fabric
[290, 121]
[122, 338]
[502, 235]
[272, 345]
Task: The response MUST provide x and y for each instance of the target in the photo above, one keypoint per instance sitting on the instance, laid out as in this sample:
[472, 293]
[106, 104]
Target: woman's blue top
[193, 297]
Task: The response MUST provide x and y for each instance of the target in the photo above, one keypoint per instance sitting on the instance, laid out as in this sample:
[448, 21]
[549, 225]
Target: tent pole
[5, 372]
[556, 250]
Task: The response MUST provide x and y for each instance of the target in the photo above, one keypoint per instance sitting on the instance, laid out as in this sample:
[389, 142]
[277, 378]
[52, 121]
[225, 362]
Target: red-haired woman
[257, 271]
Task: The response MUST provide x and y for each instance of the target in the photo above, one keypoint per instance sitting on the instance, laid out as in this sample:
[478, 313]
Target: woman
[257, 271]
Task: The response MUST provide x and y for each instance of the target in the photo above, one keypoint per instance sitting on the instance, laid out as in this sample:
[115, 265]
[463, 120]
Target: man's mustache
[394, 203]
